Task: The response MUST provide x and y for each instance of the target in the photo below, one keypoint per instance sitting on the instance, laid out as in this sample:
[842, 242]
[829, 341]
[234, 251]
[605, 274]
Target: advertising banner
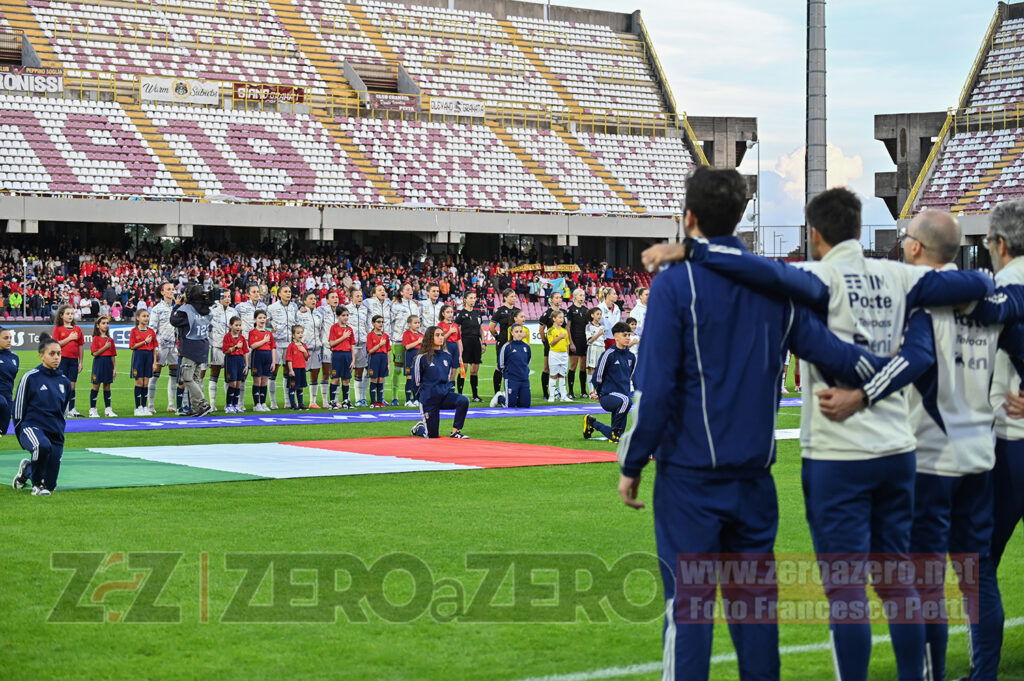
[458, 107]
[179, 90]
[31, 79]
[271, 94]
[393, 101]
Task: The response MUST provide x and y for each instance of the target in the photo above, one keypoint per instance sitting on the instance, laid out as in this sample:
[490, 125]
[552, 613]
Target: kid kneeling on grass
[514, 364]
[611, 381]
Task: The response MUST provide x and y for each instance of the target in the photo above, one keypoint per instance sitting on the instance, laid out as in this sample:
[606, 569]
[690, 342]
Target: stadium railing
[940, 140]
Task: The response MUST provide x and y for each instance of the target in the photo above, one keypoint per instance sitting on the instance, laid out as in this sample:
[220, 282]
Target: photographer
[192, 319]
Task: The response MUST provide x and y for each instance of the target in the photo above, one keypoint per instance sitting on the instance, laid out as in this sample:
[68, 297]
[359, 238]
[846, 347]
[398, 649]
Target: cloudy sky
[746, 58]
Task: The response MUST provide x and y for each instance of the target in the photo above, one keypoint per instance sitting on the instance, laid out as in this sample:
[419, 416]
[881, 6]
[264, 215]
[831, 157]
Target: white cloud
[842, 170]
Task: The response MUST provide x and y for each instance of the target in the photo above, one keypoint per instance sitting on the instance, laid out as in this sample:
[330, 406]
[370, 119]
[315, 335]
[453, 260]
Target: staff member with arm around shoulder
[470, 320]
[9, 364]
[39, 407]
[434, 389]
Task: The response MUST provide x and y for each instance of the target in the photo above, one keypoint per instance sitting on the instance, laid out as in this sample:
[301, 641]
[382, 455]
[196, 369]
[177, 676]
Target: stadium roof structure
[322, 115]
[967, 159]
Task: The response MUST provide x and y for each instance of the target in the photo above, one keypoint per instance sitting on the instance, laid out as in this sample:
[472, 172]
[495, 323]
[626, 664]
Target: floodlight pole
[815, 164]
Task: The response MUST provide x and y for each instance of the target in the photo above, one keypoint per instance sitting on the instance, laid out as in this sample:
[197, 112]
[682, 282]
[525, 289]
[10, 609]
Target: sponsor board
[271, 94]
[458, 107]
[179, 90]
[32, 79]
[26, 337]
[393, 101]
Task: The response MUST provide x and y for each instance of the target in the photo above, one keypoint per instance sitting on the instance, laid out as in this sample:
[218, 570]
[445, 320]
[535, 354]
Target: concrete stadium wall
[21, 214]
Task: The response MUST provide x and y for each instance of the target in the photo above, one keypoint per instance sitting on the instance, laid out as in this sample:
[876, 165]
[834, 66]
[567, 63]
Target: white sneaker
[139, 411]
[74, 414]
[551, 399]
[93, 414]
[150, 411]
[567, 399]
[494, 401]
[109, 413]
[40, 492]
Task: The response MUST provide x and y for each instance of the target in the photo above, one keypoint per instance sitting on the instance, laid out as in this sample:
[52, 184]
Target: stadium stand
[977, 157]
[658, 184]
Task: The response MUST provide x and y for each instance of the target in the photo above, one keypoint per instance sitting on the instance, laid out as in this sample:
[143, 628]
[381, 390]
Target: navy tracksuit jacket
[514, 364]
[9, 363]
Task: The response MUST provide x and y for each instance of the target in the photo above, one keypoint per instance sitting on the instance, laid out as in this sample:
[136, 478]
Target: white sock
[325, 392]
[152, 391]
[213, 392]
[272, 393]
[552, 386]
[172, 387]
[561, 382]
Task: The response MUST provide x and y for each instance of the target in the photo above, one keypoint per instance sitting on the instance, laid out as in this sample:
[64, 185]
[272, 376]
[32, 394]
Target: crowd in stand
[119, 282]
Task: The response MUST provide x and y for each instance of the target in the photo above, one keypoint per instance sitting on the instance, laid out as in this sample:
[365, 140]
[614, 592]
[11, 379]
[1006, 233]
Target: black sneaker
[457, 435]
[204, 410]
[588, 426]
[476, 398]
[20, 479]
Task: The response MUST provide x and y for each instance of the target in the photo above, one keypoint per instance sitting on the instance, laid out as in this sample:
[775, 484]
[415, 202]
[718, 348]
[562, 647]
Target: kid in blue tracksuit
[43, 396]
[611, 381]
[434, 390]
[514, 365]
[8, 371]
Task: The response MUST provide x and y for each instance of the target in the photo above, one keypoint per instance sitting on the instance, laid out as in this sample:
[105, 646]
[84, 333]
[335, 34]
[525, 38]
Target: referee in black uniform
[469, 320]
[554, 305]
[501, 320]
[576, 318]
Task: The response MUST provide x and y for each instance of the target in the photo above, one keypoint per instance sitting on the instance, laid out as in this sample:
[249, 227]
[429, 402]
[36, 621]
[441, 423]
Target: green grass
[439, 518]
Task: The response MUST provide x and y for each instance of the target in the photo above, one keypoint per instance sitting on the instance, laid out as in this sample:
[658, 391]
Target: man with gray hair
[952, 418]
[1006, 246]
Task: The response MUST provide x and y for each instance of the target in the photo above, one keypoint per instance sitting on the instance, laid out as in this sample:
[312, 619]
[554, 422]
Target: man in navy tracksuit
[514, 365]
[707, 398]
[43, 396]
[612, 382]
[8, 371]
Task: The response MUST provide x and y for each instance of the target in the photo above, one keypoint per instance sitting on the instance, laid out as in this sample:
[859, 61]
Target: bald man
[952, 418]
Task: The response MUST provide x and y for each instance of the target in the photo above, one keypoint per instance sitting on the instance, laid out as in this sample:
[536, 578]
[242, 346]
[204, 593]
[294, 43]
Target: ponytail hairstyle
[96, 326]
[605, 292]
[591, 313]
[446, 306]
[59, 318]
[44, 340]
[428, 336]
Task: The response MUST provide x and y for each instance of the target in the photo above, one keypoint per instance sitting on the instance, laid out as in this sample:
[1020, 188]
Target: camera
[197, 296]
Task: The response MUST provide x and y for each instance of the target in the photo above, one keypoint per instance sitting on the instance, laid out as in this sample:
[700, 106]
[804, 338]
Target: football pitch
[483, 574]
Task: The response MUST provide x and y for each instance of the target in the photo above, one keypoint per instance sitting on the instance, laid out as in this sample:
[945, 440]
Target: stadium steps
[990, 176]
[160, 147]
[366, 167]
[373, 33]
[532, 165]
[20, 18]
[328, 69]
[527, 49]
[597, 169]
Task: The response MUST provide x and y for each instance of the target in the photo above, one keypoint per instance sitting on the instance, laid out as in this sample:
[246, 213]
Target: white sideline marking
[651, 667]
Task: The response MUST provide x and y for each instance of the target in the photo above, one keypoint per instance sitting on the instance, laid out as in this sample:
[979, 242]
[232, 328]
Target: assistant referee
[470, 320]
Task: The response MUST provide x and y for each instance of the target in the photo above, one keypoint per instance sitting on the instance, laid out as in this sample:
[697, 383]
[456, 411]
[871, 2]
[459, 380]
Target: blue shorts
[379, 365]
[453, 349]
[261, 361]
[102, 370]
[341, 364]
[234, 368]
[410, 359]
[68, 368]
[142, 364]
[298, 380]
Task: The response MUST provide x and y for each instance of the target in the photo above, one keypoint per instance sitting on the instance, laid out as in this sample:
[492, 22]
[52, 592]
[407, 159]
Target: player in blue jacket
[8, 372]
[43, 396]
[433, 388]
[514, 365]
[612, 382]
